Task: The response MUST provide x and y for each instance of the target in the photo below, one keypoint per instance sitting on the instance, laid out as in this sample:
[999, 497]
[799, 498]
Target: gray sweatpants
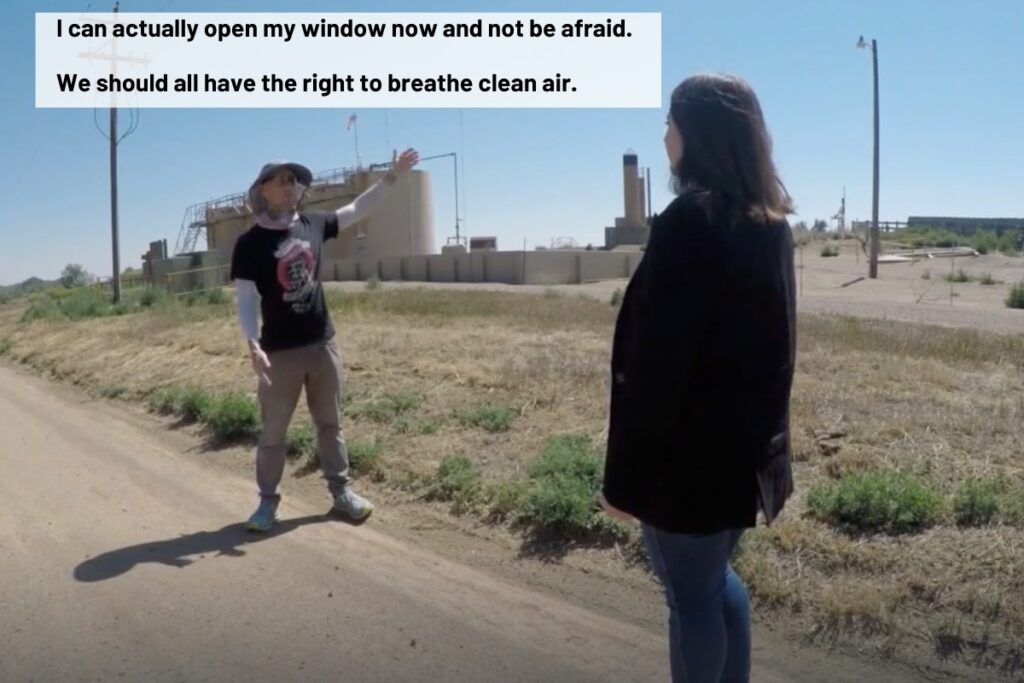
[317, 368]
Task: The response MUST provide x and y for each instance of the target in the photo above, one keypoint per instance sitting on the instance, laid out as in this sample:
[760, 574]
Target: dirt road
[121, 558]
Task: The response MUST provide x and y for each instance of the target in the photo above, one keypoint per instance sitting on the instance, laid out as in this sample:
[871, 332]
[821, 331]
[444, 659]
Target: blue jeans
[709, 615]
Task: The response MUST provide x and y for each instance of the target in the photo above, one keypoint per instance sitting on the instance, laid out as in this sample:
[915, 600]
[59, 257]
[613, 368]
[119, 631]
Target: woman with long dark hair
[702, 370]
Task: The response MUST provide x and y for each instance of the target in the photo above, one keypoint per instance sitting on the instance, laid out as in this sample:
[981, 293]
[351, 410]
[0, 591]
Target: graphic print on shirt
[295, 265]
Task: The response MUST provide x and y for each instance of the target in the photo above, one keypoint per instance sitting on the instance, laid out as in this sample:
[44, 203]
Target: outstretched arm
[364, 204]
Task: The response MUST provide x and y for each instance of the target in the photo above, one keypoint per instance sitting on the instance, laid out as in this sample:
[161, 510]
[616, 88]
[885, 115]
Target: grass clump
[458, 481]
[300, 441]
[564, 481]
[960, 276]
[364, 458]
[1016, 296]
[490, 418]
[196, 404]
[505, 500]
[217, 297]
[166, 401]
[387, 410]
[885, 502]
[233, 417]
[977, 502]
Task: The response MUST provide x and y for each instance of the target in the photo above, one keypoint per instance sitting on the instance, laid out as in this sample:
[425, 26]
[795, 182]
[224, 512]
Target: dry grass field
[907, 532]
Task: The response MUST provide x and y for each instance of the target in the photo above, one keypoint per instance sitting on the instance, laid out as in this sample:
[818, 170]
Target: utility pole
[874, 249]
[114, 140]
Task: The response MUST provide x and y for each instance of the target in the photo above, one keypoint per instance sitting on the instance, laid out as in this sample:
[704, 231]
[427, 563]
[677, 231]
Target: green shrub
[568, 455]
[217, 297]
[1012, 506]
[234, 417]
[196, 404]
[373, 284]
[1016, 296]
[428, 427]
[564, 481]
[112, 391]
[1011, 243]
[151, 297]
[5, 346]
[490, 418]
[561, 504]
[876, 502]
[46, 309]
[988, 280]
[85, 303]
[457, 480]
[829, 252]
[364, 457]
[166, 401]
[617, 296]
[386, 410]
[985, 242]
[505, 500]
[976, 502]
[959, 276]
[300, 441]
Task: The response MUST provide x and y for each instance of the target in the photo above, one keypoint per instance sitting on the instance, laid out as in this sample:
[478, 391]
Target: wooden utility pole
[112, 136]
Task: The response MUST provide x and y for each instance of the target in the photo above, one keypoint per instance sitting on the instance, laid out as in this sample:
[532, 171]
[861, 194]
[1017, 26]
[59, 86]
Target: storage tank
[403, 225]
[223, 228]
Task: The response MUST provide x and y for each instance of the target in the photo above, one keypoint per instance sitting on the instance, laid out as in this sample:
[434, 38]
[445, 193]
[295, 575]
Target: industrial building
[633, 227]
[397, 242]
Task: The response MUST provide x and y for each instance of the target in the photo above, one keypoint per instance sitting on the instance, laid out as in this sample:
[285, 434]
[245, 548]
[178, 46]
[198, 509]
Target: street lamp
[873, 259]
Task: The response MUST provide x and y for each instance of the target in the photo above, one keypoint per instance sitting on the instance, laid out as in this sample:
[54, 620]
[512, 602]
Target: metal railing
[194, 222]
[201, 284]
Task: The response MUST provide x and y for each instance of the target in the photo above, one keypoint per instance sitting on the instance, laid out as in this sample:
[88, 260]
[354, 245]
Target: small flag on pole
[351, 120]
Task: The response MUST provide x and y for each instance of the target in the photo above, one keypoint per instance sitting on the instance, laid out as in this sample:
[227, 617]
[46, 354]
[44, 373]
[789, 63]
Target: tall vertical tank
[403, 225]
[633, 211]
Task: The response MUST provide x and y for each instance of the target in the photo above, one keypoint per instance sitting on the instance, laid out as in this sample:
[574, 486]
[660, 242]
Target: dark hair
[727, 152]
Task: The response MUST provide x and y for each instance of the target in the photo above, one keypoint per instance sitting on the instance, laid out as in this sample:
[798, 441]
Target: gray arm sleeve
[363, 205]
[248, 305]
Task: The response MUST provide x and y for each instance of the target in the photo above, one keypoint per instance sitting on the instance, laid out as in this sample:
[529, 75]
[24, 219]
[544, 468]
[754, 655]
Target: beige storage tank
[404, 224]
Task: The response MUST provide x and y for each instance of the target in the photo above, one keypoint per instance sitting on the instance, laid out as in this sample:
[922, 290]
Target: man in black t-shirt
[276, 269]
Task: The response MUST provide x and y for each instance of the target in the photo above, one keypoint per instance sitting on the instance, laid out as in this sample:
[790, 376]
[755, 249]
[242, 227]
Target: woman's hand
[260, 362]
[402, 164]
[614, 512]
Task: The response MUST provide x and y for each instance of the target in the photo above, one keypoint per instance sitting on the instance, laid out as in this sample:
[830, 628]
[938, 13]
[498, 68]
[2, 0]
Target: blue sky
[952, 102]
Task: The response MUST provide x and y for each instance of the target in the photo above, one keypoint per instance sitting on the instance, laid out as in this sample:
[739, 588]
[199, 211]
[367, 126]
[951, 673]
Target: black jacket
[702, 370]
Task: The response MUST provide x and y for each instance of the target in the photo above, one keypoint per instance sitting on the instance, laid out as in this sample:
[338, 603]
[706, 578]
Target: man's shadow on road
[175, 552]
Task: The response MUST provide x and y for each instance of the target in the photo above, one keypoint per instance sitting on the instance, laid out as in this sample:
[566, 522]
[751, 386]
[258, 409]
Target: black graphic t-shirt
[285, 265]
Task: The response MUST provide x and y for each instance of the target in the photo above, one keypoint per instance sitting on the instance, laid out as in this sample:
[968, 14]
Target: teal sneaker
[265, 517]
[352, 505]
